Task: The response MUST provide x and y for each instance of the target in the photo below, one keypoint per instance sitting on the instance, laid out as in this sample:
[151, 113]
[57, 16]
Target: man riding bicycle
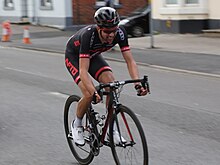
[83, 58]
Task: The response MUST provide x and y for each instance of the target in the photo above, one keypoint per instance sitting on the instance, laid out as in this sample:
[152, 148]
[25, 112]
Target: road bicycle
[131, 148]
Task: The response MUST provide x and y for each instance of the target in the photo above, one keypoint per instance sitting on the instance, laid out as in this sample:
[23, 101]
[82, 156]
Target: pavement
[188, 48]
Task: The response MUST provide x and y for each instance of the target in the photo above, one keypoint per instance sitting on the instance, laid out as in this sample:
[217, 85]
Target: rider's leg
[82, 107]
[106, 77]
[84, 102]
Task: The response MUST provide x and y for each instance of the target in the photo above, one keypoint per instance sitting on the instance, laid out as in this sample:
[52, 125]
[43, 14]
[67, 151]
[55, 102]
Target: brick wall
[83, 10]
[130, 5]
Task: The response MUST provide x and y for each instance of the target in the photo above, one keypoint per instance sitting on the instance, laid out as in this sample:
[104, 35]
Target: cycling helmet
[106, 17]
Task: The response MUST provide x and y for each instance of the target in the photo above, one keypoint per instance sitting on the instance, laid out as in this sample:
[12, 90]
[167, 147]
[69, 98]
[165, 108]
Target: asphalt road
[194, 62]
[181, 117]
[201, 63]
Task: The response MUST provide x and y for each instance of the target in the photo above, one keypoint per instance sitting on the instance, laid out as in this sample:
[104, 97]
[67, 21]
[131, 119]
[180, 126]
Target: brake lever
[145, 84]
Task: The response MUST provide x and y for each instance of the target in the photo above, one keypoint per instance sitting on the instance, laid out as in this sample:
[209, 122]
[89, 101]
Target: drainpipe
[151, 25]
[35, 18]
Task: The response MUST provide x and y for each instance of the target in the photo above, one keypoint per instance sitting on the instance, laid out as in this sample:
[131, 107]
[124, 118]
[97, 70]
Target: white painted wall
[15, 12]
[60, 10]
[214, 9]
[182, 11]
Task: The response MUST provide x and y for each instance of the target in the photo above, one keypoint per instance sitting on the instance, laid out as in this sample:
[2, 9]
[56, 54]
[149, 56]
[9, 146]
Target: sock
[115, 127]
[77, 122]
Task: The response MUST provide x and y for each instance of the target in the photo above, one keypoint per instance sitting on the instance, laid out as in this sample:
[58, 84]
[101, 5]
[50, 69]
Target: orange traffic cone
[6, 31]
[26, 36]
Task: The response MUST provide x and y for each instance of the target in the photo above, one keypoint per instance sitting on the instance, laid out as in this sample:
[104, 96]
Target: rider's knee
[106, 77]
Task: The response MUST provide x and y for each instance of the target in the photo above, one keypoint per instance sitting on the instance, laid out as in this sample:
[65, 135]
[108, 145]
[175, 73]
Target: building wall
[59, 15]
[83, 10]
[214, 12]
[183, 18]
[130, 5]
[214, 15]
[63, 14]
[13, 14]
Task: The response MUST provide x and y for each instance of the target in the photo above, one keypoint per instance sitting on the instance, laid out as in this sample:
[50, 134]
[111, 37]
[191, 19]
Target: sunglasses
[108, 31]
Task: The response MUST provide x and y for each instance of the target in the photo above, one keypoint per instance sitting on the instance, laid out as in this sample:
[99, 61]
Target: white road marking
[22, 71]
[36, 50]
[137, 115]
[59, 94]
[185, 71]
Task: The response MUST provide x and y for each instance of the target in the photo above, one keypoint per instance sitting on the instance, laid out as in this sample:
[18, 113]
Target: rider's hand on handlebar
[141, 91]
[96, 98]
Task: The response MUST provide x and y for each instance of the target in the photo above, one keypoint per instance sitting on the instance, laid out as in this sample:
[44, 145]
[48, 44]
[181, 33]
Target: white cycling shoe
[78, 135]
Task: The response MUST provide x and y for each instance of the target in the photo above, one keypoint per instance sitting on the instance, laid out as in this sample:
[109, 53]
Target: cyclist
[83, 58]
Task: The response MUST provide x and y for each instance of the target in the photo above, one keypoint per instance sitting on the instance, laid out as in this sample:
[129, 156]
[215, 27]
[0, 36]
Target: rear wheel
[134, 149]
[82, 154]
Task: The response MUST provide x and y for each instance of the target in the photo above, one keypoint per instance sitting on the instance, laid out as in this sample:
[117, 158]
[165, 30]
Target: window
[171, 2]
[8, 4]
[191, 1]
[46, 4]
[182, 7]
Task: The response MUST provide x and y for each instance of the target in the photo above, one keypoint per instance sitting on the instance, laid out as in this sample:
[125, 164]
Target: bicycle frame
[112, 107]
[114, 104]
[119, 120]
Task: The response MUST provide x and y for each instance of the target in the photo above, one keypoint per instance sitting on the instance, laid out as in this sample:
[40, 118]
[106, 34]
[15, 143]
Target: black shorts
[97, 66]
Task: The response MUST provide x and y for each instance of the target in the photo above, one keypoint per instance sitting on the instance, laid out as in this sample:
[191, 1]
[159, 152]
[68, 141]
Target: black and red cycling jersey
[86, 42]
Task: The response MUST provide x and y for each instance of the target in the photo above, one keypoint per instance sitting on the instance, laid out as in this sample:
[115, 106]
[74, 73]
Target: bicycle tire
[73, 99]
[139, 143]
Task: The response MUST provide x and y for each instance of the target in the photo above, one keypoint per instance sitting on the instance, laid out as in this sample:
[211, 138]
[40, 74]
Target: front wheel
[82, 154]
[131, 146]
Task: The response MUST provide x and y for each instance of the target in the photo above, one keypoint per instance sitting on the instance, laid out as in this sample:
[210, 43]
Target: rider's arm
[133, 71]
[122, 38]
[131, 64]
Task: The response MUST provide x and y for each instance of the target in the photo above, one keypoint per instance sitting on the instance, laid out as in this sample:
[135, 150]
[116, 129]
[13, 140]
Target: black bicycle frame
[114, 104]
